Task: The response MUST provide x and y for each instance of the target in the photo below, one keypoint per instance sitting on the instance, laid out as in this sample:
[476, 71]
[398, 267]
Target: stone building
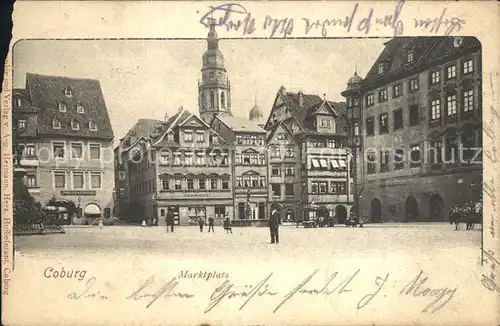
[67, 141]
[309, 167]
[419, 104]
[182, 165]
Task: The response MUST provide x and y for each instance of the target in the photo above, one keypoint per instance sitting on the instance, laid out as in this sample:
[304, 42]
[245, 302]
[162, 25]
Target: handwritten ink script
[317, 284]
[361, 18]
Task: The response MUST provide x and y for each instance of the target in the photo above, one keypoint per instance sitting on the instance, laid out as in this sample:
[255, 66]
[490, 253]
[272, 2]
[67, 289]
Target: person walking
[211, 224]
[227, 225]
[201, 223]
[170, 220]
[274, 223]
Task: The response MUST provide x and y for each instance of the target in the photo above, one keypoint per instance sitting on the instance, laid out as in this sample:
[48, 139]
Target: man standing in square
[274, 223]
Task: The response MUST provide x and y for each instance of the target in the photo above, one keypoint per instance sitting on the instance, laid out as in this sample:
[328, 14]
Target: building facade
[249, 168]
[419, 119]
[309, 165]
[67, 142]
[184, 166]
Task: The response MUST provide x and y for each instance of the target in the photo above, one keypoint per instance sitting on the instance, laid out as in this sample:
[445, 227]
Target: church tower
[214, 90]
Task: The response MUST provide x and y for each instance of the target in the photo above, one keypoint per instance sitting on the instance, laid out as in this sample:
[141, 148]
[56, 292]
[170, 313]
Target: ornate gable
[250, 172]
[193, 122]
[249, 151]
[277, 113]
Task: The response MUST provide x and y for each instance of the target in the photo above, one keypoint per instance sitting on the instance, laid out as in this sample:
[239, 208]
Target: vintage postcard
[251, 163]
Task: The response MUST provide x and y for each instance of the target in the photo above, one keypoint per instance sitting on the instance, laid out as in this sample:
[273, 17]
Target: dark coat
[170, 218]
[274, 220]
[210, 221]
[201, 222]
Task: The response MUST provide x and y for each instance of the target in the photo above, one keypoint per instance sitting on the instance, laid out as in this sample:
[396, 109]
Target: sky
[153, 78]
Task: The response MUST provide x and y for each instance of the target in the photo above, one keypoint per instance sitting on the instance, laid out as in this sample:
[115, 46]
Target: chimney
[301, 99]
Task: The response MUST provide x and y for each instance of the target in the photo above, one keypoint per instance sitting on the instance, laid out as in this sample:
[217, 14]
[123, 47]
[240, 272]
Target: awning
[92, 209]
[323, 162]
[335, 164]
[315, 163]
[342, 163]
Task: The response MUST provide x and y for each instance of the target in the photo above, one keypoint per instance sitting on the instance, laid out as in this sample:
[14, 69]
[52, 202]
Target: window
[468, 66]
[253, 140]
[212, 98]
[371, 163]
[398, 118]
[76, 150]
[262, 182]
[178, 184]
[314, 187]
[80, 108]
[188, 136]
[60, 179]
[165, 184]
[200, 137]
[92, 126]
[18, 101]
[188, 159]
[246, 159]
[255, 181]
[415, 155]
[370, 126]
[290, 152]
[396, 90]
[435, 109]
[341, 188]
[58, 150]
[177, 159]
[95, 151]
[223, 99]
[468, 143]
[200, 159]
[225, 184]
[31, 180]
[399, 162]
[414, 115]
[78, 180]
[223, 160]
[435, 77]
[409, 56]
[254, 159]
[275, 170]
[62, 106]
[451, 105]
[21, 125]
[68, 91]
[289, 170]
[451, 72]
[56, 124]
[380, 68]
[355, 128]
[414, 84]
[261, 141]
[239, 139]
[382, 95]
[190, 184]
[237, 158]
[215, 139]
[436, 152]
[276, 189]
[384, 123]
[451, 149]
[323, 187]
[333, 187]
[75, 125]
[468, 100]
[384, 161]
[213, 183]
[202, 184]
[30, 151]
[332, 143]
[370, 100]
[95, 180]
[289, 192]
[276, 152]
[325, 123]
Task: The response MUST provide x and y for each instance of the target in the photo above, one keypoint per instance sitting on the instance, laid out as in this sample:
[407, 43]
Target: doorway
[411, 209]
[376, 211]
[340, 214]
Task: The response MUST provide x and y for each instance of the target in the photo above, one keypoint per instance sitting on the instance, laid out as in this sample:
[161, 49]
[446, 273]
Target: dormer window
[170, 136]
[18, 102]
[75, 125]
[215, 140]
[56, 124]
[21, 125]
[62, 106]
[92, 126]
[410, 56]
[380, 68]
[68, 91]
[80, 108]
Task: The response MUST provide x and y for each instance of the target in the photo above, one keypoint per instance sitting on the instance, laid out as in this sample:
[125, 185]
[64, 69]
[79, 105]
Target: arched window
[75, 125]
[92, 126]
[62, 106]
[212, 99]
[56, 124]
[223, 99]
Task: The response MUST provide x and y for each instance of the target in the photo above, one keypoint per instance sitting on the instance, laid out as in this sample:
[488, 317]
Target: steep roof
[46, 92]
[142, 128]
[239, 124]
[427, 51]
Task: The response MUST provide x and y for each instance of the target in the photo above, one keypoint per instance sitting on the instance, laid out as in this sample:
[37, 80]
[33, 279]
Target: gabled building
[318, 130]
[419, 104]
[249, 168]
[67, 141]
[183, 166]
